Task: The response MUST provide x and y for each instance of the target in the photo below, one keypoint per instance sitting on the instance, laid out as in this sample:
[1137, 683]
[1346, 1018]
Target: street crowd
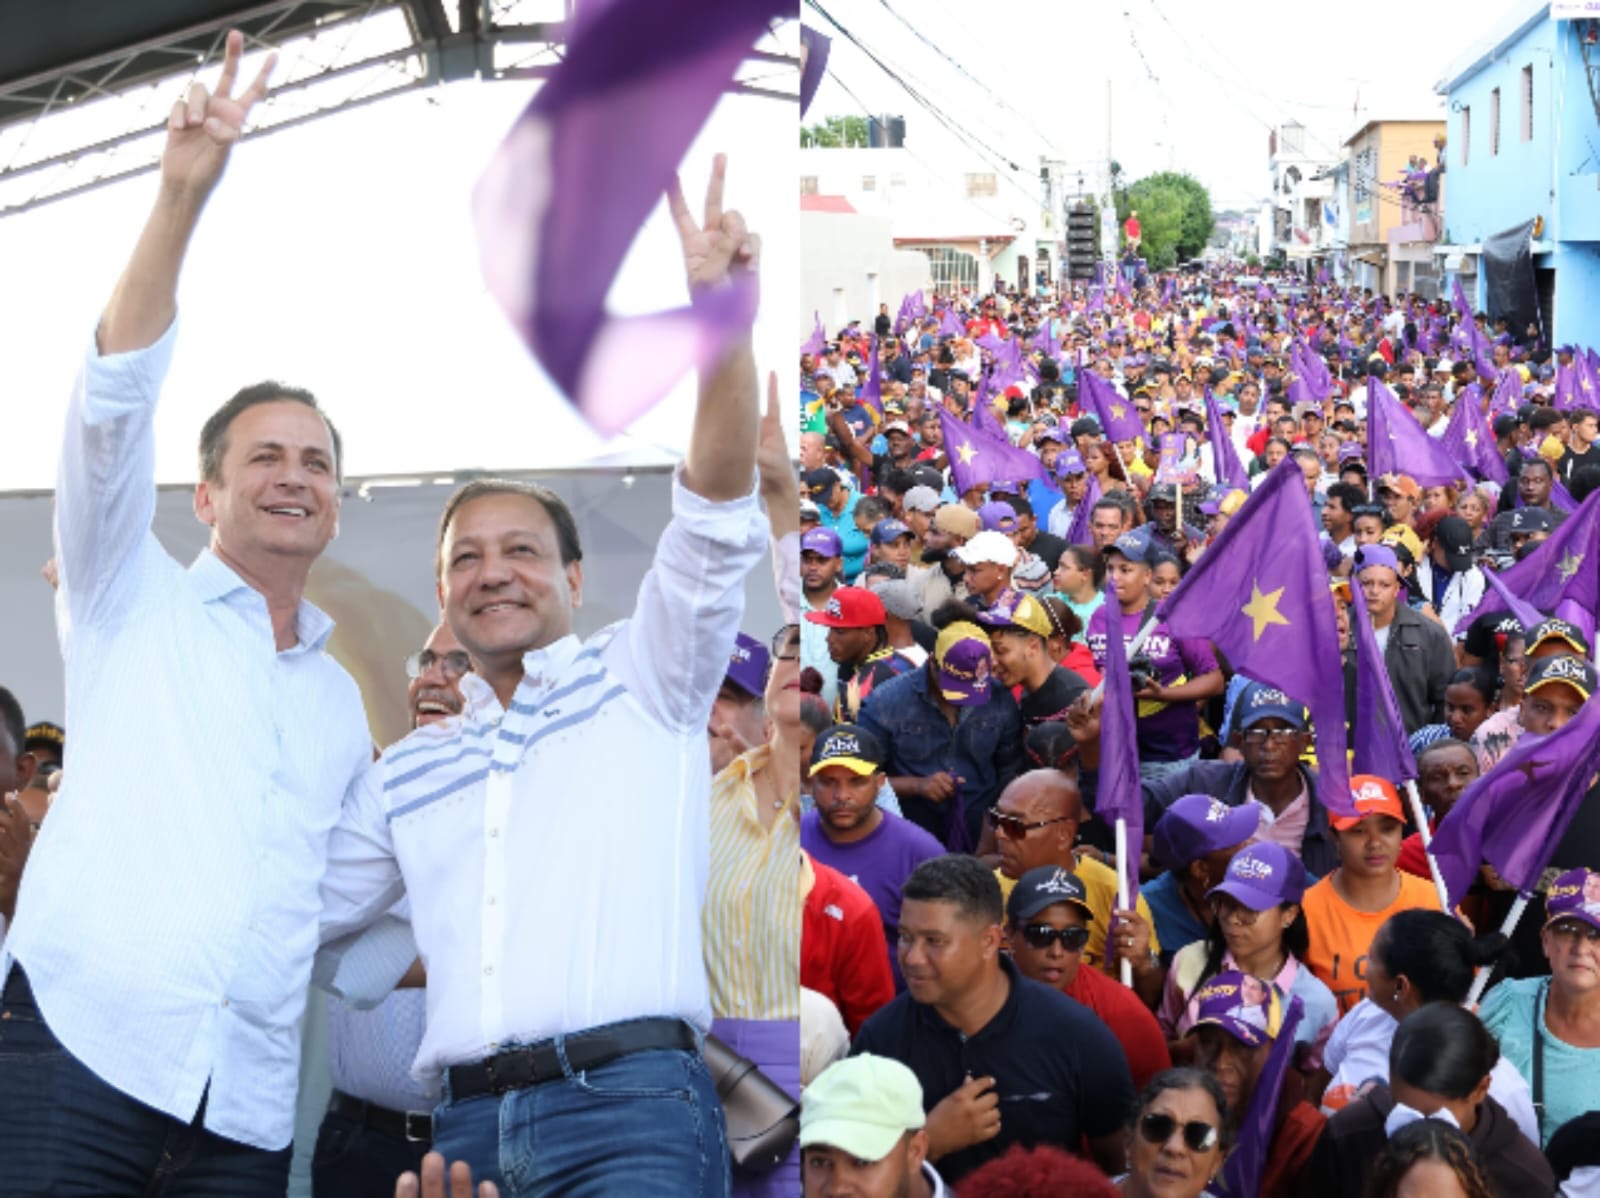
[1289, 971]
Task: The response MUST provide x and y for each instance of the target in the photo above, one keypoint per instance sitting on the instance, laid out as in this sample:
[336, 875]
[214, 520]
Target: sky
[1194, 88]
[339, 256]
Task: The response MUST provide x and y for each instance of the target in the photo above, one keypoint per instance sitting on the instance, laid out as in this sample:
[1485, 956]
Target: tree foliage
[836, 132]
[1175, 216]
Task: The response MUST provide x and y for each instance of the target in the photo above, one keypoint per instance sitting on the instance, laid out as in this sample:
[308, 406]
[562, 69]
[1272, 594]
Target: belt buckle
[415, 1119]
[496, 1085]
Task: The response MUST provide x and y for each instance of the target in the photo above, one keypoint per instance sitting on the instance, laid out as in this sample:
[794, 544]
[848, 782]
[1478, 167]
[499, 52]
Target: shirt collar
[540, 667]
[214, 579]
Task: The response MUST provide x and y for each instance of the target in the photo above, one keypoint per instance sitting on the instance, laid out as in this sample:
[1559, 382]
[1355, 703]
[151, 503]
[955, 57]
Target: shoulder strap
[1538, 1053]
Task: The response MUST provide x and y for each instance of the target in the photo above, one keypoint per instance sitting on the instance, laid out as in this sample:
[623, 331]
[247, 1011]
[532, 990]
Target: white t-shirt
[1357, 1053]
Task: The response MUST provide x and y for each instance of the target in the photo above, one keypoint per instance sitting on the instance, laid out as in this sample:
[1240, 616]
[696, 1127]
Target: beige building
[1388, 238]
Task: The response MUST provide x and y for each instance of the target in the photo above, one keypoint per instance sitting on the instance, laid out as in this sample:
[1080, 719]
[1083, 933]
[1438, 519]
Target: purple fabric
[1260, 593]
[1397, 444]
[1507, 394]
[1566, 390]
[977, 457]
[1515, 815]
[1470, 441]
[818, 341]
[817, 45]
[1225, 462]
[1118, 417]
[1381, 745]
[950, 324]
[871, 392]
[1476, 343]
[1118, 794]
[1173, 733]
[1528, 617]
[1079, 532]
[774, 1045]
[1241, 1175]
[638, 81]
[1563, 570]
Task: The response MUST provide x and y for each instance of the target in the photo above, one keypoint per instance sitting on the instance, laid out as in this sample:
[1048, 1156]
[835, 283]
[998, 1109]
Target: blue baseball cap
[1261, 702]
[888, 530]
[1135, 545]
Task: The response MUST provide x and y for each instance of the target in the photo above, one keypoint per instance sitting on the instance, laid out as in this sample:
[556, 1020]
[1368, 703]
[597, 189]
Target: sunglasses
[1574, 929]
[456, 663]
[1041, 936]
[1198, 1135]
[1015, 826]
[786, 643]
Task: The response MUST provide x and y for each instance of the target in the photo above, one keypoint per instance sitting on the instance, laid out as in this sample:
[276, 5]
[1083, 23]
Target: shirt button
[491, 900]
[493, 832]
[488, 970]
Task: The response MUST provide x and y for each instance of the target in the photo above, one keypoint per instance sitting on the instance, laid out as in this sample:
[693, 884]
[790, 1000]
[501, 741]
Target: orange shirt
[1341, 935]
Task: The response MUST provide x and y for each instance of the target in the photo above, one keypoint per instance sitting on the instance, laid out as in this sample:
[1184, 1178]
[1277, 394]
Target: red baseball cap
[850, 607]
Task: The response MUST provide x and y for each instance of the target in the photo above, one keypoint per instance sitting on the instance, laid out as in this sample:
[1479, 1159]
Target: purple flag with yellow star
[1561, 576]
[871, 391]
[1397, 444]
[1225, 462]
[1117, 793]
[1514, 816]
[1079, 532]
[1117, 416]
[977, 458]
[1259, 593]
[1470, 441]
[1381, 745]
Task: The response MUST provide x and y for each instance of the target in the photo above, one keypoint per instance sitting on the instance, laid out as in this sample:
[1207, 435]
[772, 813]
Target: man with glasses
[738, 713]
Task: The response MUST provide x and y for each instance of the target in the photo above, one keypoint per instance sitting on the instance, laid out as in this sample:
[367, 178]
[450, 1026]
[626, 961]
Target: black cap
[1454, 536]
[819, 483]
[1045, 887]
[849, 745]
[1505, 425]
[1555, 629]
[1530, 519]
[1085, 426]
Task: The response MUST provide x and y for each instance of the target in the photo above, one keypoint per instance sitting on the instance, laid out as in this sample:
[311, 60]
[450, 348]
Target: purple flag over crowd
[950, 324]
[1260, 594]
[1397, 444]
[1381, 745]
[1470, 441]
[1118, 418]
[1241, 1175]
[1079, 532]
[1561, 576]
[1527, 615]
[977, 458]
[871, 390]
[1515, 815]
[814, 47]
[1118, 794]
[1225, 462]
[818, 341]
[1477, 344]
[638, 81]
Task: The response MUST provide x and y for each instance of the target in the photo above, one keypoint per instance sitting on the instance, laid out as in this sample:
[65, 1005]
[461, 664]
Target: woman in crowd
[1178, 1137]
[1165, 574]
[1345, 909]
[1513, 671]
[1080, 582]
[1441, 1064]
[1429, 1157]
[1260, 929]
[1065, 644]
[1417, 958]
[1101, 462]
[1474, 507]
[1439, 499]
[1369, 523]
[1192, 844]
[1234, 1050]
[1469, 699]
[1549, 1028]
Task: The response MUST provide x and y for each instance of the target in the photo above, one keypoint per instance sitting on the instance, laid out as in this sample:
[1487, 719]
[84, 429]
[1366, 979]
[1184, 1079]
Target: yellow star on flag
[1568, 566]
[1118, 411]
[966, 453]
[1263, 609]
[1472, 437]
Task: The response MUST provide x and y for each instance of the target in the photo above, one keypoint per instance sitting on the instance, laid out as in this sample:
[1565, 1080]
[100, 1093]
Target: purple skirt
[774, 1045]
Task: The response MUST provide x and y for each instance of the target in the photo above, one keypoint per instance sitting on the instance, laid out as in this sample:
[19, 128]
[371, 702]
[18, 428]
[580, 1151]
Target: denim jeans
[1154, 771]
[648, 1125]
[353, 1161]
[65, 1132]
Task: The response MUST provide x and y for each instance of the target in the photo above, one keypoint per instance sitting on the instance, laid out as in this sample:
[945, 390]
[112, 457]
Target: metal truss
[103, 119]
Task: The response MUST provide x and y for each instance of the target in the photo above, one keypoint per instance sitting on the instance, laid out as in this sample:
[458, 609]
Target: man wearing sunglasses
[1047, 927]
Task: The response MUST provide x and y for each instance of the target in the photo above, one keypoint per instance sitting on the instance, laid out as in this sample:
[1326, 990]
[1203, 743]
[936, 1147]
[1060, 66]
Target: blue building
[1524, 143]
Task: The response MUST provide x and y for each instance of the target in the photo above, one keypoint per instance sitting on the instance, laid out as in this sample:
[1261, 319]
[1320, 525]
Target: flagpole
[1421, 816]
[1507, 926]
[1124, 896]
[1134, 646]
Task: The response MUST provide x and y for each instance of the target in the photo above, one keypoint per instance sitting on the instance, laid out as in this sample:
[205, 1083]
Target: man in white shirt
[567, 992]
[156, 972]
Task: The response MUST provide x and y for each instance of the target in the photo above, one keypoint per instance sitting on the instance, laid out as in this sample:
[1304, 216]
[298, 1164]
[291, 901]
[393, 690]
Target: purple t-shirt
[879, 863]
[1172, 733]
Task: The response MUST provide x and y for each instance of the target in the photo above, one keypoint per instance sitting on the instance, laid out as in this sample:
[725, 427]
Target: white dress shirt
[168, 915]
[556, 853]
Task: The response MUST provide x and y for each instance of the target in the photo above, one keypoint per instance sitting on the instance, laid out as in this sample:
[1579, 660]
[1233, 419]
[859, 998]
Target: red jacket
[843, 954]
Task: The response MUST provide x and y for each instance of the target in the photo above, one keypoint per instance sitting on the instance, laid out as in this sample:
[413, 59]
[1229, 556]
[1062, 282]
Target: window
[1494, 122]
[1466, 133]
[808, 185]
[951, 269]
[981, 185]
[1527, 102]
[869, 183]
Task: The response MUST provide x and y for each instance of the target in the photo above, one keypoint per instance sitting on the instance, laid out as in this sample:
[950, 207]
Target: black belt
[414, 1127]
[519, 1068]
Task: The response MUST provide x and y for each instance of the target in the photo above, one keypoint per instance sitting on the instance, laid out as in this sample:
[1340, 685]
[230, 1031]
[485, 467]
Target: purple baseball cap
[1263, 875]
[1352, 451]
[822, 540]
[1198, 824]
[1574, 895]
[748, 665]
[1376, 555]
[998, 517]
[963, 659]
[1069, 462]
[1248, 1008]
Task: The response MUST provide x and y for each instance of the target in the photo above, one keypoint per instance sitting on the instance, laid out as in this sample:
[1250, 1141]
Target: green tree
[835, 132]
[1175, 216]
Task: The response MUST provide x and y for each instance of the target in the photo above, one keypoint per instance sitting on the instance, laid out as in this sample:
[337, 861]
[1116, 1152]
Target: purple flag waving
[1225, 462]
[814, 47]
[1397, 444]
[977, 458]
[1118, 795]
[1514, 815]
[818, 341]
[871, 390]
[638, 81]
[1528, 616]
[1470, 441]
[1241, 1175]
[1078, 532]
[1118, 417]
[1381, 745]
[1562, 575]
[1260, 594]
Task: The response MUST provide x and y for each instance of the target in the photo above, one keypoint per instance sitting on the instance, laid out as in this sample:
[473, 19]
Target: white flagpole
[1421, 816]
[1124, 898]
[1508, 926]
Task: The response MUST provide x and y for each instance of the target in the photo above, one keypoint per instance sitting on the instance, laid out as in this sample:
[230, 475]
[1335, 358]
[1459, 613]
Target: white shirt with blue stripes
[556, 853]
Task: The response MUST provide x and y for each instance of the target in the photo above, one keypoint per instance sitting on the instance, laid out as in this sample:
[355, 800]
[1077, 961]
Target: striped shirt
[556, 852]
[752, 912]
[168, 915]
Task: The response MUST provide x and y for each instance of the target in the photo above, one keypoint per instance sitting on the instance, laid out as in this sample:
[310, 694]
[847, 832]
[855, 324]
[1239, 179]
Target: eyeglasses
[1015, 826]
[1574, 929]
[455, 663]
[1277, 737]
[1237, 912]
[1199, 1135]
[1041, 936]
[786, 643]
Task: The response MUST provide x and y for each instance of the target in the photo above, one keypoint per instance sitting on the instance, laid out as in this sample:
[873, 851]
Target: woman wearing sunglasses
[1178, 1137]
[1047, 928]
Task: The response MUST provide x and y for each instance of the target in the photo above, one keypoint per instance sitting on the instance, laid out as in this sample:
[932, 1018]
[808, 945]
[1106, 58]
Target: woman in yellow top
[1345, 910]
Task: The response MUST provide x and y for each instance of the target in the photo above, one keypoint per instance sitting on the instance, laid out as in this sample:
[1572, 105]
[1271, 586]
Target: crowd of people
[996, 484]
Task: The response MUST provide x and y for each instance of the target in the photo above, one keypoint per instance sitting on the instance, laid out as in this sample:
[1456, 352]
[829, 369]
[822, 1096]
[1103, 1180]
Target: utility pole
[1108, 205]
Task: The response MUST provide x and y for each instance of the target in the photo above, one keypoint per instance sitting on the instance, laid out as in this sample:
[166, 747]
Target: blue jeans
[648, 1125]
[353, 1161]
[64, 1132]
[1154, 771]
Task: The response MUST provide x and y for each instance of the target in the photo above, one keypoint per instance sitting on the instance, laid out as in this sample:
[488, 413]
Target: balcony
[1421, 223]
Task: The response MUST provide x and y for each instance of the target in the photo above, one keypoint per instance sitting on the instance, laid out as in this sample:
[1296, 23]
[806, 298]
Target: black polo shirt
[1059, 1072]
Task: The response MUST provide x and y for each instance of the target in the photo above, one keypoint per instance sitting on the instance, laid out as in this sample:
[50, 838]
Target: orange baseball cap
[1372, 796]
